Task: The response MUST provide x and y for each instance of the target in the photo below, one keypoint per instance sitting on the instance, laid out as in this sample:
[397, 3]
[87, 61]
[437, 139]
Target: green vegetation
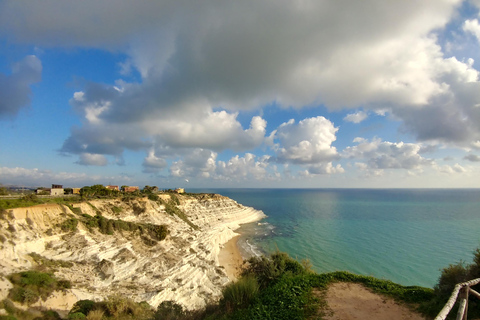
[19, 314]
[274, 287]
[450, 276]
[33, 200]
[114, 307]
[48, 265]
[74, 210]
[29, 286]
[69, 225]
[109, 226]
[172, 209]
[98, 191]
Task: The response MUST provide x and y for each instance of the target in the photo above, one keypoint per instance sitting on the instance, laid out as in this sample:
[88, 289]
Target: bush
[29, 286]
[76, 316]
[95, 315]
[153, 197]
[83, 306]
[239, 294]
[268, 269]
[169, 310]
[69, 225]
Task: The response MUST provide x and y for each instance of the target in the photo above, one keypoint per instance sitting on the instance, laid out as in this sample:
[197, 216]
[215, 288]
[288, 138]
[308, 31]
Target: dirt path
[352, 301]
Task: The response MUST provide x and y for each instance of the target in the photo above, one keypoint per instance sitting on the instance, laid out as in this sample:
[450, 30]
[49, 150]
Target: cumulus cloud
[201, 163]
[15, 89]
[450, 169]
[308, 142]
[153, 164]
[198, 163]
[243, 55]
[472, 158]
[201, 64]
[380, 155]
[89, 159]
[473, 27]
[106, 131]
[245, 168]
[38, 177]
[356, 117]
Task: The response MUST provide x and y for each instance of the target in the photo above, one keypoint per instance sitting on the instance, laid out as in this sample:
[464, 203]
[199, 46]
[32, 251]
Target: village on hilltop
[59, 190]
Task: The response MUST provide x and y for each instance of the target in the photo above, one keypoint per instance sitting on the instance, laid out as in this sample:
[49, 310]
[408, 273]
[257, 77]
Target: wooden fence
[464, 289]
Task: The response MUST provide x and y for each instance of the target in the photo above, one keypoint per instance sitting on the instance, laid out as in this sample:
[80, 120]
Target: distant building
[76, 190]
[180, 190]
[42, 191]
[112, 188]
[130, 189]
[57, 190]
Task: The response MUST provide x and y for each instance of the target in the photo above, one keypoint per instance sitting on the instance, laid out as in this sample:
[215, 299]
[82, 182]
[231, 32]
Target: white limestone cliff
[183, 267]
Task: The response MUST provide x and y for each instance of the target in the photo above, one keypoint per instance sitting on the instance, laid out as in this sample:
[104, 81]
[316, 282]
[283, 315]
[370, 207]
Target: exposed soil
[352, 301]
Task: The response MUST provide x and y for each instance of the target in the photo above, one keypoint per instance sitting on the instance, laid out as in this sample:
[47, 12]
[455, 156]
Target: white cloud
[38, 177]
[308, 142]
[473, 27]
[201, 64]
[153, 164]
[245, 168]
[451, 169]
[325, 168]
[380, 155]
[356, 117]
[15, 88]
[89, 159]
[197, 163]
[244, 55]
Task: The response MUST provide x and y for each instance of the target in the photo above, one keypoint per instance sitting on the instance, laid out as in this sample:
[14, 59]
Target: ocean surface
[404, 235]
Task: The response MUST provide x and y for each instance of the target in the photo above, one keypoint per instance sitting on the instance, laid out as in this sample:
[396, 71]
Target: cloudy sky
[250, 93]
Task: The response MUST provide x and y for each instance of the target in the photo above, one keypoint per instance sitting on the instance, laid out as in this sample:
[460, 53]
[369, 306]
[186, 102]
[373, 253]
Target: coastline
[230, 258]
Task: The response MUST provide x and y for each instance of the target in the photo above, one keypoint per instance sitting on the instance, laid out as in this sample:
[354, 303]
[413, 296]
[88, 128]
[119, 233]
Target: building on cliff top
[130, 189]
[55, 190]
[112, 188]
[180, 190]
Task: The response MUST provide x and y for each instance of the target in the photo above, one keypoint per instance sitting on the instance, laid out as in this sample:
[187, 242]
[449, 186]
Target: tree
[3, 191]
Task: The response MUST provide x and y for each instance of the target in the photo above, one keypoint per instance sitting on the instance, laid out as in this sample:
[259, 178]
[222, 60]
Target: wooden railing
[464, 290]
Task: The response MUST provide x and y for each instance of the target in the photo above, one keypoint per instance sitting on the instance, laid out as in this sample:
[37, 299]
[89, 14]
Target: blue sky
[240, 93]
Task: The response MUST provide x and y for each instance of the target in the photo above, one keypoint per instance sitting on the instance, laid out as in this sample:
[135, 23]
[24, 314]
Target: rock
[105, 268]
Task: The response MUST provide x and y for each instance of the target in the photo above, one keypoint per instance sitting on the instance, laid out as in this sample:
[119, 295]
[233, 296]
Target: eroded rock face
[183, 267]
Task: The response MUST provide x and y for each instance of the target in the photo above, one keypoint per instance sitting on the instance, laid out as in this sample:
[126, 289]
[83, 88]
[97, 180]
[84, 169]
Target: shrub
[69, 225]
[29, 286]
[76, 316]
[169, 310]
[153, 197]
[95, 315]
[239, 294]
[30, 197]
[83, 306]
[268, 269]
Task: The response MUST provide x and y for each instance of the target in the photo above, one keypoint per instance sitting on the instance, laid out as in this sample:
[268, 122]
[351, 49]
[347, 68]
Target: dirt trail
[352, 301]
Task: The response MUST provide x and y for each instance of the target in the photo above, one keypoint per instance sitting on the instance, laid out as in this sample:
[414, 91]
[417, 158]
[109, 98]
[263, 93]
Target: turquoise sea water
[404, 235]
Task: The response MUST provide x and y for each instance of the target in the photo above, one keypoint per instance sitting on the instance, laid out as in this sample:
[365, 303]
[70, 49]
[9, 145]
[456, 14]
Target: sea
[403, 235]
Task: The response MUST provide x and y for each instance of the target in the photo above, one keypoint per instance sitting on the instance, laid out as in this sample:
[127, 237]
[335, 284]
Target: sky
[240, 93]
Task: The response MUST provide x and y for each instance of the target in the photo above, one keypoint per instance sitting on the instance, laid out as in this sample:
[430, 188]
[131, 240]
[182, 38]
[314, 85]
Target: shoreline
[230, 258]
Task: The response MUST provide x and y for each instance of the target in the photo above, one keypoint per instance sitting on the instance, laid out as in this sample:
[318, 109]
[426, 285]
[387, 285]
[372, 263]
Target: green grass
[33, 200]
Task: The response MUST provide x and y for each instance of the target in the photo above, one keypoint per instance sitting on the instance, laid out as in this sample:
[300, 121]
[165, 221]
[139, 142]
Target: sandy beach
[230, 258]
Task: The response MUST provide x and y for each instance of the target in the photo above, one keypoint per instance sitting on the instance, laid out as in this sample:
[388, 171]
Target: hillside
[138, 248]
